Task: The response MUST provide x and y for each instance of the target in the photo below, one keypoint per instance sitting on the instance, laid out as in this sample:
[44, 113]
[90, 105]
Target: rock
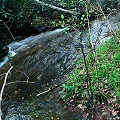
[111, 4]
[41, 59]
[17, 117]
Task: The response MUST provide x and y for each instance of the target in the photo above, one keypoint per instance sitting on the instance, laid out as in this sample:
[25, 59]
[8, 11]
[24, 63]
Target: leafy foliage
[18, 14]
[105, 75]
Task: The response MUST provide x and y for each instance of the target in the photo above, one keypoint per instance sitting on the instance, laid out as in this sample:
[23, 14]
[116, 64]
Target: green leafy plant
[105, 76]
[18, 14]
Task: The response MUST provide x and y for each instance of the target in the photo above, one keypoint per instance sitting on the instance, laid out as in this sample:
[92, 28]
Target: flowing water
[39, 63]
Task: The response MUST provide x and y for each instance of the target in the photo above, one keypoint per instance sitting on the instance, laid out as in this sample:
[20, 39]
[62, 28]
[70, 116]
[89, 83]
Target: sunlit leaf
[62, 16]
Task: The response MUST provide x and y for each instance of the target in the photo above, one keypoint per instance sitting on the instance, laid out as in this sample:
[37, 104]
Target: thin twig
[5, 82]
[107, 20]
[51, 89]
[57, 8]
[8, 30]
[19, 82]
[1, 94]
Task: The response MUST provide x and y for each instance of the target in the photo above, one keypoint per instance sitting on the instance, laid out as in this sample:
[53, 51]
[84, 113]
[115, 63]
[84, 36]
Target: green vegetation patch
[104, 71]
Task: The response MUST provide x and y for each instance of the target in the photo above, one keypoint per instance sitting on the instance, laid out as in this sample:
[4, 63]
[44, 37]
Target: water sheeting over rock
[38, 63]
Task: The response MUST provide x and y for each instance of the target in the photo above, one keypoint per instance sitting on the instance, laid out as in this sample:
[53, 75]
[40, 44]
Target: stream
[41, 62]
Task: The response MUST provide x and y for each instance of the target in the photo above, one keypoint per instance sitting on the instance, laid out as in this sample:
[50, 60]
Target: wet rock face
[13, 112]
[17, 117]
[42, 58]
[112, 4]
[39, 59]
[101, 30]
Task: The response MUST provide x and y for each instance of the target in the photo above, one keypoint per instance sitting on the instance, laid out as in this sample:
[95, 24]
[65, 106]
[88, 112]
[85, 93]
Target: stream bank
[40, 62]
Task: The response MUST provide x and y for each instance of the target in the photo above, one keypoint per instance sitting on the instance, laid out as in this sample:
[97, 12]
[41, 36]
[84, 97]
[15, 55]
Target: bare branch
[19, 82]
[8, 30]
[51, 89]
[3, 89]
[57, 8]
[5, 82]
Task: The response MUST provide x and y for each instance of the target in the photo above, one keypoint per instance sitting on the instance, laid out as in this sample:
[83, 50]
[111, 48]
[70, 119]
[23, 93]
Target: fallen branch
[51, 89]
[19, 82]
[8, 30]
[57, 8]
[1, 94]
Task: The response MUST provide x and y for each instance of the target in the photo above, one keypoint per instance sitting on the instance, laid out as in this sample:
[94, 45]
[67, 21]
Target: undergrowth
[104, 69]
